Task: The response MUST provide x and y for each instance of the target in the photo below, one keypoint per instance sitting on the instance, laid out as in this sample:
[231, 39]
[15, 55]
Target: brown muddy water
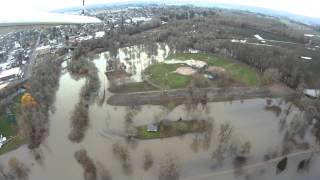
[250, 121]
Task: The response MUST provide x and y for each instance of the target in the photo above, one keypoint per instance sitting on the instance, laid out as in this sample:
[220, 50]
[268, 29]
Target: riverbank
[180, 96]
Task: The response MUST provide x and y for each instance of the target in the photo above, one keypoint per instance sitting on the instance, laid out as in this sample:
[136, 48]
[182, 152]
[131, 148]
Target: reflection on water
[136, 59]
[244, 136]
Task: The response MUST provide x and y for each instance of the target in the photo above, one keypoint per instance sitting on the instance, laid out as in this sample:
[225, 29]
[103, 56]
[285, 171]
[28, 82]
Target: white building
[238, 41]
[138, 19]
[259, 38]
[152, 127]
[306, 58]
[10, 74]
[99, 34]
[2, 140]
[308, 35]
[315, 93]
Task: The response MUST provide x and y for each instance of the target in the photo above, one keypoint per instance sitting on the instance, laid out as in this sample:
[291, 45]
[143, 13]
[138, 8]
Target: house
[306, 58]
[99, 34]
[2, 140]
[259, 38]
[314, 93]
[10, 74]
[152, 127]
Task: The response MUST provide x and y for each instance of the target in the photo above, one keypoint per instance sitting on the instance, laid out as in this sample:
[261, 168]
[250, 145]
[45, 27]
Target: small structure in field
[210, 76]
[260, 38]
[238, 41]
[152, 127]
[306, 58]
[314, 93]
[308, 35]
[99, 34]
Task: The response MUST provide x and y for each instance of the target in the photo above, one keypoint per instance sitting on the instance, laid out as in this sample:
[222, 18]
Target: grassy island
[173, 128]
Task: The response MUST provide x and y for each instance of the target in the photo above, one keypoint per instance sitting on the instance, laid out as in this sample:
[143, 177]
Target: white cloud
[305, 7]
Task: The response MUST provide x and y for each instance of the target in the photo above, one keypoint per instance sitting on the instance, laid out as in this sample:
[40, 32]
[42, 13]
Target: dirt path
[179, 96]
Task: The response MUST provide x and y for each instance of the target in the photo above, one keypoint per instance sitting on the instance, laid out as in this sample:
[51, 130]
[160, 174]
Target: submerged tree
[89, 168]
[169, 168]
[33, 119]
[122, 153]
[304, 165]
[147, 160]
[103, 172]
[18, 169]
[282, 165]
[224, 137]
[81, 67]
[79, 122]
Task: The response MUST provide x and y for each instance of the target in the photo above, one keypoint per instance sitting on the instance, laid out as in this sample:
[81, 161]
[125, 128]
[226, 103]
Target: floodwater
[249, 119]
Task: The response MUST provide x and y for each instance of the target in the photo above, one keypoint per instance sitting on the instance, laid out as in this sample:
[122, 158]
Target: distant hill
[276, 13]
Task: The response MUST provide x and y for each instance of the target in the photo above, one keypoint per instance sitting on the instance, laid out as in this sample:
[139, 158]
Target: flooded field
[261, 124]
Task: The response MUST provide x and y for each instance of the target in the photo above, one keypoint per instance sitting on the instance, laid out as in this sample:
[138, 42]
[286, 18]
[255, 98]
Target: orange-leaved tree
[28, 101]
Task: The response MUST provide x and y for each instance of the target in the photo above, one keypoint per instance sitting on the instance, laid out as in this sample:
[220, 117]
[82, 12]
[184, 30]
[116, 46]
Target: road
[211, 94]
[33, 57]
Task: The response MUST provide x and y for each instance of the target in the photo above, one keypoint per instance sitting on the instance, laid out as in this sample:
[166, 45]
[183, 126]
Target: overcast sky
[304, 7]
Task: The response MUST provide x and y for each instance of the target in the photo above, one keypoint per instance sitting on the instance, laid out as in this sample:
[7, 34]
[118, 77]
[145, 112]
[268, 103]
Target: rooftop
[10, 72]
[312, 92]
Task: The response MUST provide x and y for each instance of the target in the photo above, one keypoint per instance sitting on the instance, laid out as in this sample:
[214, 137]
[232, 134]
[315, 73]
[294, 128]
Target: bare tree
[147, 160]
[103, 172]
[33, 120]
[169, 168]
[122, 153]
[89, 168]
[19, 169]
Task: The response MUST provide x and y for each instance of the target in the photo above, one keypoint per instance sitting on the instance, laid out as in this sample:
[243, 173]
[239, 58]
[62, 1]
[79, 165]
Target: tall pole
[82, 7]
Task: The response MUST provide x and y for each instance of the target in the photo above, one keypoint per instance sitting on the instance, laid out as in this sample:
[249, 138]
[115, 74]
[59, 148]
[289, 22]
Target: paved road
[211, 94]
[33, 57]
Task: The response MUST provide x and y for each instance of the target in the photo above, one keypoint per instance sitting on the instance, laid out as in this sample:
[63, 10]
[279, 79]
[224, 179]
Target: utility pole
[82, 7]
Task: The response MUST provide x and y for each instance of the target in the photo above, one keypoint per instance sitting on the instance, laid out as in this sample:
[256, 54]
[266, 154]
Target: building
[2, 140]
[259, 38]
[314, 93]
[99, 34]
[306, 58]
[10, 74]
[152, 127]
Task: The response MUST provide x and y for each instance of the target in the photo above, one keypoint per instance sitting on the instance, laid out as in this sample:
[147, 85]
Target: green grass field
[13, 144]
[163, 75]
[9, 129]
[236, 70]
[174, 128]
[132, 87]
